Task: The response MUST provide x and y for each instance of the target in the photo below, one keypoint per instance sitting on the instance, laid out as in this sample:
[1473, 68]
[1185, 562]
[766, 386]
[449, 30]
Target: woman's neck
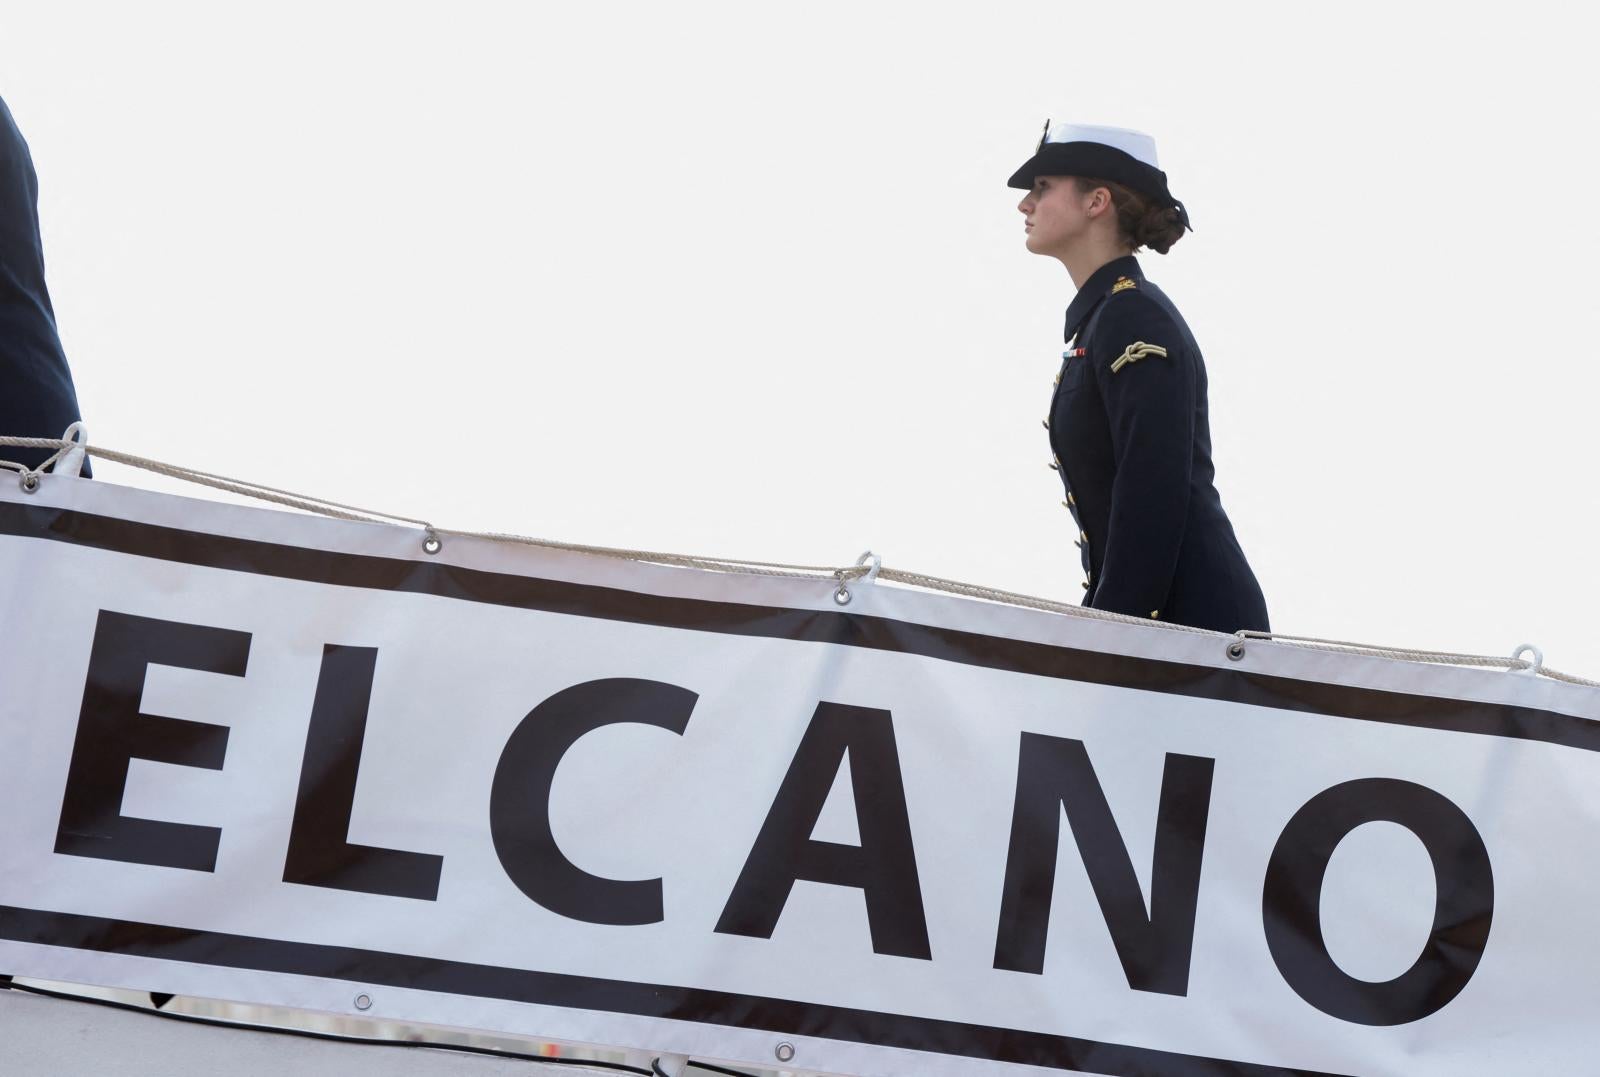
[1082, 263]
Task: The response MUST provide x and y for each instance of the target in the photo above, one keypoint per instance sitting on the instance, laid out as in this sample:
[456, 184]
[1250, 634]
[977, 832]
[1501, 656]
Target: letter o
[1291, 904]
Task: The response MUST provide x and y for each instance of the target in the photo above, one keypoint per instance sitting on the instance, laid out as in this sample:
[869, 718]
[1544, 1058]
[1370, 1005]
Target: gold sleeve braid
[1136, 351]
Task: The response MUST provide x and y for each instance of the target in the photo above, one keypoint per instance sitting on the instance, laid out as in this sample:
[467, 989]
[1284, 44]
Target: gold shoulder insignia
[1123, 284]
[1136, 351]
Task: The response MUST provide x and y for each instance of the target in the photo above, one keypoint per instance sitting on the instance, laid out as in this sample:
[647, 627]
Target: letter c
[519, 800]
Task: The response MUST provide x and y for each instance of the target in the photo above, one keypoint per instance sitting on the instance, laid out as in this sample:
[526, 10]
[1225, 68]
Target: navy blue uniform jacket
[1130, 436]
[37, 399]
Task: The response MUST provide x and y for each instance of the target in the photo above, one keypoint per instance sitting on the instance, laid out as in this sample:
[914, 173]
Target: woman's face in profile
[1054, 214]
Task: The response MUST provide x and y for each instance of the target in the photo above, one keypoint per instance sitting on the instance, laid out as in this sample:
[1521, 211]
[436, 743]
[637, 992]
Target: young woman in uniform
[1128, 426]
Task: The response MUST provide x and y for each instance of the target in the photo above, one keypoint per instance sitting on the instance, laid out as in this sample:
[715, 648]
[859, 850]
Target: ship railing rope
[867, 568]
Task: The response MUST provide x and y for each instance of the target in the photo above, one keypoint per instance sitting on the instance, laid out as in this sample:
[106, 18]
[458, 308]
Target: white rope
[339, 510]
[868, 566]
[714, 564]
[1409, 655]
[1012, 598]
[317, 505]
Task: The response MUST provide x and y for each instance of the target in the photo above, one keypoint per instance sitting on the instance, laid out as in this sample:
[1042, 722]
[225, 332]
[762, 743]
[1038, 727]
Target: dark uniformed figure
[37, 398]
[1128, 424]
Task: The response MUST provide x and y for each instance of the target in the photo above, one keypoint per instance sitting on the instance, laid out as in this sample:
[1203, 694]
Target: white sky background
[745, 279]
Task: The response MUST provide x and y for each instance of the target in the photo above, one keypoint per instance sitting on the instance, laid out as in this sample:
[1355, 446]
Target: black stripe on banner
[372, 967]
[825, 626]
[1231, 685]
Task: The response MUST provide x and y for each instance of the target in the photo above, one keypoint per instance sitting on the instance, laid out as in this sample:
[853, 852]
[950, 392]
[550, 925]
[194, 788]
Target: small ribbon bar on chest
[1067, 357]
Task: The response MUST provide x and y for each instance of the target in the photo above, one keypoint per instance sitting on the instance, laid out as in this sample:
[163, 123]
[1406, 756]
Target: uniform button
[1083, 535]
[1053, 466]
[1085, 585]
[1155, 615]
[1070, 499]
[1046, 423]
[1066, 504]
[1079, 545]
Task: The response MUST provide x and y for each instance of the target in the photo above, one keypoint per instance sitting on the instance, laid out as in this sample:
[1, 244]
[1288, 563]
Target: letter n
[1153, 945]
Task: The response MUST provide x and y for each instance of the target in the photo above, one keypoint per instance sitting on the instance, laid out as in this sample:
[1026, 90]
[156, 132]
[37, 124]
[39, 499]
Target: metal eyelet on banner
[1236, 648]
[873, 563]
[784, 1052]
[363, 1002]
[431, 544]
[29, 481]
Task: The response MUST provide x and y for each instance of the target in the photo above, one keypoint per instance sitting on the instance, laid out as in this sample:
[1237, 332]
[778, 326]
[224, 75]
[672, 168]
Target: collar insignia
[1123, 284]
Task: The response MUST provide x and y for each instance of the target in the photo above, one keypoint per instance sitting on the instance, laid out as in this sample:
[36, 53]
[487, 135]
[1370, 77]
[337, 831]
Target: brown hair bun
[1140, 222]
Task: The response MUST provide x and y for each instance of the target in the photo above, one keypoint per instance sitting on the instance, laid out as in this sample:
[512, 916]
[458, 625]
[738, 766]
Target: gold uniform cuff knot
[1136, 351]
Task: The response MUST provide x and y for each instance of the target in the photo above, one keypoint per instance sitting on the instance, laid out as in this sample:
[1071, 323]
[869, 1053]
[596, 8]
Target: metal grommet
[29, 481]
[363, 1002]
[784, 1052]
[842, 595]
[431, 544]
[1236, 650]
[1533, 667]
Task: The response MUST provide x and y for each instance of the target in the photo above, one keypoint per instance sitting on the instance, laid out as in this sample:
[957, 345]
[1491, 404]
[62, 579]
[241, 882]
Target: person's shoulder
[1134, 314]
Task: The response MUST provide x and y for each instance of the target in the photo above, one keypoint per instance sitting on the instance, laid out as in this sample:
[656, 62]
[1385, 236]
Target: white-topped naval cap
[1136, 144]
[1116, 154]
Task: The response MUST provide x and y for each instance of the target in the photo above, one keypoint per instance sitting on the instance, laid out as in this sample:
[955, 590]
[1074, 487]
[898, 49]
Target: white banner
[277, 759]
